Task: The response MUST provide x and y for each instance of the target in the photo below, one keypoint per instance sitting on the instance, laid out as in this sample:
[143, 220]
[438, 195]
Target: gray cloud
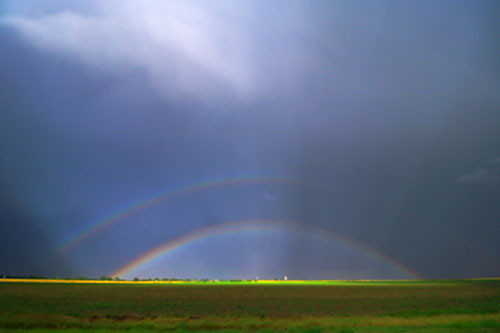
[495, 161]
[268, 196]
[175, 42]
[485, 175]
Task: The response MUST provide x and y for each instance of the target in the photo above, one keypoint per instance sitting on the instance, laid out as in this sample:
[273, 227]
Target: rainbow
[248, 226]
[132, 209]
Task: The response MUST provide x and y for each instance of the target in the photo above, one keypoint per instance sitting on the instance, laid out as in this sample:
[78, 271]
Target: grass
[349, 306]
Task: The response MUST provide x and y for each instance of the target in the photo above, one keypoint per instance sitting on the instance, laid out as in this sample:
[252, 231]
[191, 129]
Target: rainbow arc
[244, 227]
[141, 205]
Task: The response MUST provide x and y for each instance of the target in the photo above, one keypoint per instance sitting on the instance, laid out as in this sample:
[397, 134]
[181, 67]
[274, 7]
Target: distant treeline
[41, 277]
[109, 278]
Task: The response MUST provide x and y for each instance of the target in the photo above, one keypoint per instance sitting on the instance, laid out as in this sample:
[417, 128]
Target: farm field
[337, 306]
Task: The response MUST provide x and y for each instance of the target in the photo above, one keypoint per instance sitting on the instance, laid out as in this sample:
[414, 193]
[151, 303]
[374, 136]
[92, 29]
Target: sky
[222, 139]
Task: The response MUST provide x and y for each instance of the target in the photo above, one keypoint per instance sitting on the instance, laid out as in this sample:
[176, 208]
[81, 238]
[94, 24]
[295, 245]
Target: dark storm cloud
[392, 107]
[24, 244]
[415, 108]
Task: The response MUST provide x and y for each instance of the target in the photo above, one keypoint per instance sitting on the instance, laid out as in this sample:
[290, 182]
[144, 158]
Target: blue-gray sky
[389, 111]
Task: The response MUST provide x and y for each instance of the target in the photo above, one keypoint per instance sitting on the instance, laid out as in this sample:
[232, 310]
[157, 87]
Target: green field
[372, 306]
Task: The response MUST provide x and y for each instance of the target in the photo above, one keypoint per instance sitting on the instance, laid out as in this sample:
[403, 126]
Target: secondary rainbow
[249, 225]
[132, 209]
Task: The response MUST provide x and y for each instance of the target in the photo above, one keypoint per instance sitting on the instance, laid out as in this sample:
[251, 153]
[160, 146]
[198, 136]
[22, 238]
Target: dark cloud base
[391, 107]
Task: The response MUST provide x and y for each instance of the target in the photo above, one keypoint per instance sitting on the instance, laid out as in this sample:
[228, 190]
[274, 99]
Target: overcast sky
[383, 117]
